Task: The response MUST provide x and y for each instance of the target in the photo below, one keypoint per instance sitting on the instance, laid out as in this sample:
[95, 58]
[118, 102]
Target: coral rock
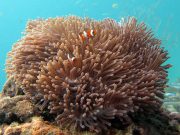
[15, 109]
[36, 127]
[39, 127]
[11, 89]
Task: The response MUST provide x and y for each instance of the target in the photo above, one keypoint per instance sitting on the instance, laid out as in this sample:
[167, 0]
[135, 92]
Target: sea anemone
[87, 83]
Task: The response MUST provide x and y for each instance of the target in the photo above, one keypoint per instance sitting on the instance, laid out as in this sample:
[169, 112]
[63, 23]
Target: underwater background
[160, 15]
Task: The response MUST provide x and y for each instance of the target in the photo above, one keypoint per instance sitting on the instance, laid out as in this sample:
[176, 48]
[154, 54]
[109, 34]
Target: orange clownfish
[87, 34]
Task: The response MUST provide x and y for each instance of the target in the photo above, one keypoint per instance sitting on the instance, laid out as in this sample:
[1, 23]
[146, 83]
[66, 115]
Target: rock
[171, 108]
[11, 89]
[17, 118]
[17, 108]
[36, 127]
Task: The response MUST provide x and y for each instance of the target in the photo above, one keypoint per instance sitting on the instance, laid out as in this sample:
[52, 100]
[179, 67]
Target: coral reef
[144, 125]
[159, 122]
[36, 127]
[172, 100]
[14, 105]
[11, 89]
[16, 119]
[39, 127]
[15, 109]
[90, 75]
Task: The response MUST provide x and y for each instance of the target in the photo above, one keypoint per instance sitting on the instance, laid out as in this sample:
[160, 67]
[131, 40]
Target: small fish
[87, 34]
[70, 58]
[175, 85]
[170, 94]
[115, 5]
[75, 61]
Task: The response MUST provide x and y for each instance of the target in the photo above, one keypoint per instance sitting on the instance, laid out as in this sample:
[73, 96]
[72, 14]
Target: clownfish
[74, 60]
[87, 34]
[70, 58]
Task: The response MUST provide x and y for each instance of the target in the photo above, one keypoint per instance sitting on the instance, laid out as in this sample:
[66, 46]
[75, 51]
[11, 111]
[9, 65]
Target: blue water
[160, 15]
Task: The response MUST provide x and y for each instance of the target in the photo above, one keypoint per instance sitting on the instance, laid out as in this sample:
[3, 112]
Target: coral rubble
[172, 99]
[36, 127]
[11, 89]
[15, 109]
[107, 80]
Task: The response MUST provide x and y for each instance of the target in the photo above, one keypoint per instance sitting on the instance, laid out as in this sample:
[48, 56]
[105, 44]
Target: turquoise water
[160, 15]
